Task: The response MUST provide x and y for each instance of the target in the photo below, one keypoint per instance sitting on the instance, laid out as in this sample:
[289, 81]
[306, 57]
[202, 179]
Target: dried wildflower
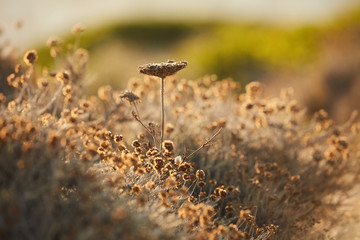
[138, 150]
[86, 105]
[135, 144]
[136, 189]
[230, 189]
[53, 41]
[184, 167]
[159, 161]
[66, 90]
[192, 199]
[202, 195]
[229, 209]
[129, 96]
[104, 93]
[53, 140]
[200, 174]
[30, 57]
[82, 55]
[209, 211]
[118, 138]
[78, 28]
[150, 185]
[169, 128]
[253, 89]
[63, 77]
[213, 197]
[42, 82]
[245, 215]
[141, 136]
[201, 184]
[168, 145]
[163, 69]
[213, 181]
[18, 68]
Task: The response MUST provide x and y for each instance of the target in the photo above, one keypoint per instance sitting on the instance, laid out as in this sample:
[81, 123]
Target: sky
[43, 18]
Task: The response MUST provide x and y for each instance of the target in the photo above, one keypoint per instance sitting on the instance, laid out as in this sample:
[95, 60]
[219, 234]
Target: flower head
[163, 69]
[30, 57]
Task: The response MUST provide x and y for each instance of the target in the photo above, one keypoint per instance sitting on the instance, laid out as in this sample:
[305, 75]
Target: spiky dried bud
[163, 69]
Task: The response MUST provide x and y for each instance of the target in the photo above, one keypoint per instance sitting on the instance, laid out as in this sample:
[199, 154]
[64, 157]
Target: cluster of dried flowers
[77, 167]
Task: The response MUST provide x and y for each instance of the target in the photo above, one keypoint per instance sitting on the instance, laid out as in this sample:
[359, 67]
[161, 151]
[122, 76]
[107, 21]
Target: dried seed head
[201, 184]
[118, 138]
[104, 93]
[150, 185]
[200, 174]
[53, 41]
[136, 189]
[168, 145]
[163, 69]
[129, 96]
[30, 57]
[169, 128]
[135, 144]
[63, 77]
[78, 28]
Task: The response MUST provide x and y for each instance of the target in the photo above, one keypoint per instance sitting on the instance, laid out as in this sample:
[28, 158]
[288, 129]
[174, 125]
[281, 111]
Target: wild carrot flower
[163, 69]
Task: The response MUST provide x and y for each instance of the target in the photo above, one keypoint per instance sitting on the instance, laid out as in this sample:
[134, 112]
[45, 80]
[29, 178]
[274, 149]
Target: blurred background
[312, 46]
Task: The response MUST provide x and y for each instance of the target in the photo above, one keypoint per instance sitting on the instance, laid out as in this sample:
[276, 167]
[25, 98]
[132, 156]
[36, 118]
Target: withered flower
[163, 69]
[129, 96]
[30, 57]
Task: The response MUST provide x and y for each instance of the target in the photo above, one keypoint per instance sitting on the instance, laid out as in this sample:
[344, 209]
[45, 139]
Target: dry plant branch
[162, 70]
[203, 145]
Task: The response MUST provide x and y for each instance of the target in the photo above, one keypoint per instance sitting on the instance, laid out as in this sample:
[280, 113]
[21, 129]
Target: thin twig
[139, 120]
[204, 145]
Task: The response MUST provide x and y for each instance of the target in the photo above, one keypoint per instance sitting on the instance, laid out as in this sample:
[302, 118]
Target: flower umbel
[163, 69]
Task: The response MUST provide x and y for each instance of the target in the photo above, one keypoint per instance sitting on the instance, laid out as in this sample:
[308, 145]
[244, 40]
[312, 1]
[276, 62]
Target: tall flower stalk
[162, 70]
